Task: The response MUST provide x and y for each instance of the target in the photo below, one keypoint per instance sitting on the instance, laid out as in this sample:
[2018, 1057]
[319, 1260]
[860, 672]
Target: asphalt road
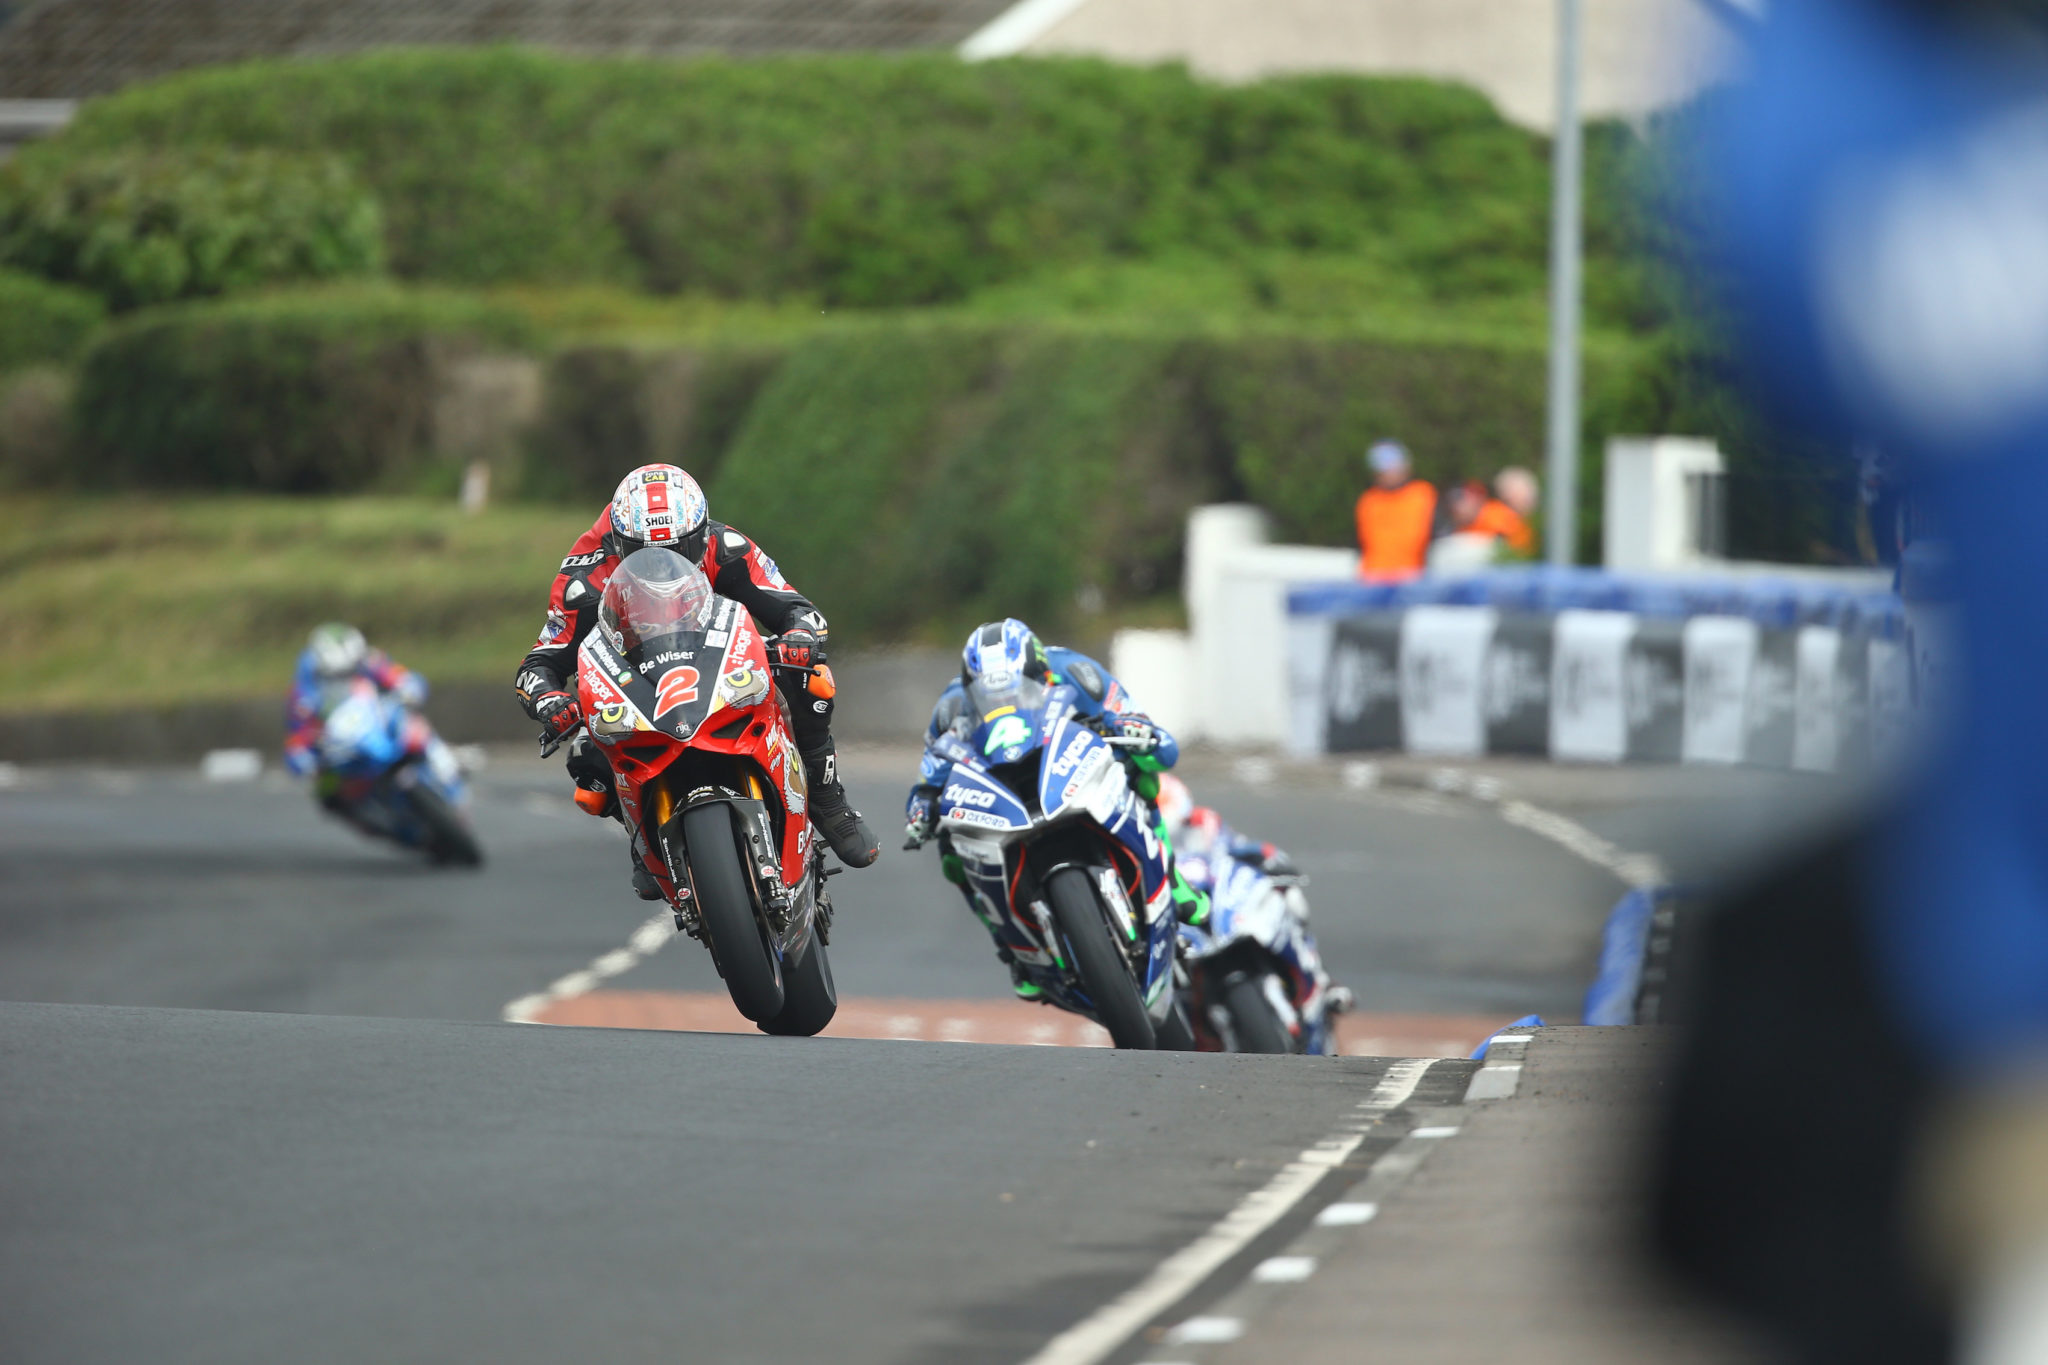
[157, 888]
[216, 1187]
[234, 1179]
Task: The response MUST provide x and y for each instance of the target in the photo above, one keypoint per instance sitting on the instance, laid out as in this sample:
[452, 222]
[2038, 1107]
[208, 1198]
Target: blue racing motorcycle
[1061, 860]
[385, 771]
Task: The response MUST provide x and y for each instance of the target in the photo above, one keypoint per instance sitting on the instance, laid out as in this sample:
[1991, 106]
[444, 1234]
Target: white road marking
[10, 775]
[1636, 869]
[231, 765]
[1347, 1215]
[1205, 1330]
[1361, 776]
[1494, 1082]
[1433, 1132]
[1284, 1269]
[647, 940]
[1099, 1335]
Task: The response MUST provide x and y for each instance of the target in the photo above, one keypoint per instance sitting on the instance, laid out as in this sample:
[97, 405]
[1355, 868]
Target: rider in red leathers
[659, 504]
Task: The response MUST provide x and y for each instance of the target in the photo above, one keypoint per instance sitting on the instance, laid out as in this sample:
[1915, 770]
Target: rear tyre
[1084, 925]
[450, 843]
[725, 906]
[809, 999]
[1252, 1020]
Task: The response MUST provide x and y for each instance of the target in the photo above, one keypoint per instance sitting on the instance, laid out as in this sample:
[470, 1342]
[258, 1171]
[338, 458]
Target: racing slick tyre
[809, 999]
[1085, 926]
[725, 906]
[450, 843]
[1252, 1020]
[1176, 1034]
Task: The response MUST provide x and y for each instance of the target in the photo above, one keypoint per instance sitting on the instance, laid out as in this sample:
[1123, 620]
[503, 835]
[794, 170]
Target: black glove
[800, 647]
[558, 711]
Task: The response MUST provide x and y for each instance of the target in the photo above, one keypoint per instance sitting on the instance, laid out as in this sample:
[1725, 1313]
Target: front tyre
[450, 841]
[1252, 1020]
[1085, 926]
[725, 906]
[809, 999]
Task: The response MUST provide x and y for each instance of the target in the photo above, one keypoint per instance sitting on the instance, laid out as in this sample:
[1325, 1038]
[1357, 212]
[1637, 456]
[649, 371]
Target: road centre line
[1634, 869]
[1103, 1332]
[649, 939]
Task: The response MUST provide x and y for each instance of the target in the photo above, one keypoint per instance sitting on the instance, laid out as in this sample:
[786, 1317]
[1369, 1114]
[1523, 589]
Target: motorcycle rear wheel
[1084, 924]
[725, 907]
[1252, 1020]
[449, 840]
[809, 997]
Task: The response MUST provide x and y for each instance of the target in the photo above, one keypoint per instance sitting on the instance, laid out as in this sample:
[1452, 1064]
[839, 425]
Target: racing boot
[844, 830]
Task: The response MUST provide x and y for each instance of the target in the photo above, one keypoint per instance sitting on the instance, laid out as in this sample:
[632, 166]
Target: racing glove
[1143, 737]
[800, 647]
[558, 711]
[922, 816]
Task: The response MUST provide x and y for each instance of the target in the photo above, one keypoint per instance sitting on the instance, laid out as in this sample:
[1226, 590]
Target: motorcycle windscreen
[659, 643]
[363, 729]
[1009, 710]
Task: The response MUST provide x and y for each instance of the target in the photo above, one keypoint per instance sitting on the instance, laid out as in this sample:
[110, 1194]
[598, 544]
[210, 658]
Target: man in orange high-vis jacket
[1506, 514]
[1395, 516]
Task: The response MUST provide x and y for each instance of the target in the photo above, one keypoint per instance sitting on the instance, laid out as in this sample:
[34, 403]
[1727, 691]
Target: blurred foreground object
[1884, 198]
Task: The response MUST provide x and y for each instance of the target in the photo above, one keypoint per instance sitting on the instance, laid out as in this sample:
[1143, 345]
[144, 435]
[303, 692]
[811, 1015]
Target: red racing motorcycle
[676, 690]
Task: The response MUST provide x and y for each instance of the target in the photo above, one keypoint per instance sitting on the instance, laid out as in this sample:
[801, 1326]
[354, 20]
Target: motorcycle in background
[1062, 861]
[675, 690]
[1256, 981]
[385, 771]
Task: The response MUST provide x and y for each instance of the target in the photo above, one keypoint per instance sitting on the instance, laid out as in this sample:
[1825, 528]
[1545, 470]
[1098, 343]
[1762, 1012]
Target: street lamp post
[1566, 232]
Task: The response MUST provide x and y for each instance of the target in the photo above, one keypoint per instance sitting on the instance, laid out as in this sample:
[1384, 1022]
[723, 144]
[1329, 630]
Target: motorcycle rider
[1008, 649]
[1204, 845]
[661, 505]
[336, 654]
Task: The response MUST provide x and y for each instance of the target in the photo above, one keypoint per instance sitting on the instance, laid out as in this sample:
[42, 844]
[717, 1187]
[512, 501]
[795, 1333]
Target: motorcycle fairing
[380, 749]
[1079, 776]
[653, 703]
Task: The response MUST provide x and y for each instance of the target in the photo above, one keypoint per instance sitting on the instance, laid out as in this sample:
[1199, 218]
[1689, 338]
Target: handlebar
[549, 743]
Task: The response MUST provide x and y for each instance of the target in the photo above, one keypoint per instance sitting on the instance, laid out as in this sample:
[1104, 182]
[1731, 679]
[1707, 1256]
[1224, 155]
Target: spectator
[1394, 516]
[1506, 514]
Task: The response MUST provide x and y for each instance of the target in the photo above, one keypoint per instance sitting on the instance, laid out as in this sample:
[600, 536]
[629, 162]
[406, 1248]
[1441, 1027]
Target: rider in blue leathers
[1009, 647]
[335, 655]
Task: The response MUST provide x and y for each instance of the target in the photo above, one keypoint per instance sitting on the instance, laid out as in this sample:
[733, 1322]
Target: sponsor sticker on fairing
[1069, 756]
[960, 795]
[977, 817]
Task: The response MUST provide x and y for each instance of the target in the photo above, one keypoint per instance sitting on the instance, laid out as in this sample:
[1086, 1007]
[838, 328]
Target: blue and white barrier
[1584, 665]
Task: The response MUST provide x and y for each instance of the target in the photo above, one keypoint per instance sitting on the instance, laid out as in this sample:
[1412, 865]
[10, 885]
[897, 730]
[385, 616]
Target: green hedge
[928, 473]
[300, 392]
[864, 180]
[43, 323]
[142, 227]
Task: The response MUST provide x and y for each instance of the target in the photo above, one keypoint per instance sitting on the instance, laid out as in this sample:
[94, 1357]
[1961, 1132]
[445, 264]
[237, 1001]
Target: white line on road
[646, 941]
[1099, 1335]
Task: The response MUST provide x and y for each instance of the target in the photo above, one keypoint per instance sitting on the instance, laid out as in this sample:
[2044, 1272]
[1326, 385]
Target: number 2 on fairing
[678, 688]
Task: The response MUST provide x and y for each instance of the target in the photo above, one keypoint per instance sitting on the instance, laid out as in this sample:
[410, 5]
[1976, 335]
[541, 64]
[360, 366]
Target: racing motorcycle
[1061, 860]
[1255, 979]
[676, 692]
[385, 771]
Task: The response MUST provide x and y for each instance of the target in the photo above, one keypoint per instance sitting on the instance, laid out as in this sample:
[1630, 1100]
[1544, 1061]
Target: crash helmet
[658, 504]
[1002, 652]
[338, 649]
[1176, 802]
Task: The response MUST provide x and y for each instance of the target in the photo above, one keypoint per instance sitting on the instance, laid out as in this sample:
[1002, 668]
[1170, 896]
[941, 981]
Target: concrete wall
[1641, 55]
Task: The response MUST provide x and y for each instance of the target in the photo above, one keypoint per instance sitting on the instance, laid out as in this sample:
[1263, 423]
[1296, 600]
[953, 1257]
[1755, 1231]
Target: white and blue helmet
[1002, 653]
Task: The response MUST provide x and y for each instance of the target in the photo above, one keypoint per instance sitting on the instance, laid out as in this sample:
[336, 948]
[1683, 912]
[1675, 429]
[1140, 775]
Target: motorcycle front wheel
[449, 838]
[809, 998]
[725, 907]
[1084, 925]
[1252, 1019]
